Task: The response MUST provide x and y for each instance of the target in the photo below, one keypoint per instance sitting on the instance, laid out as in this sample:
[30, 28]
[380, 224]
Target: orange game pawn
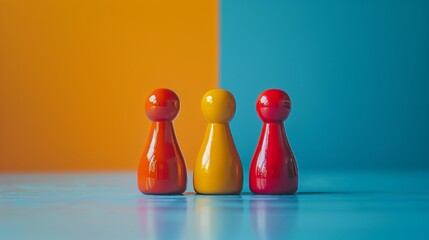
[162, 169]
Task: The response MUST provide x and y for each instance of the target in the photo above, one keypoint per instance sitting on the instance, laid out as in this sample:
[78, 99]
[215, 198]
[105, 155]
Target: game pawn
[162, 169]
[218, 167]
[273, 169]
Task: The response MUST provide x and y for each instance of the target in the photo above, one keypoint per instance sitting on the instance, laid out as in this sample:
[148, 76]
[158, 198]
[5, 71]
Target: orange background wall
[74, 75]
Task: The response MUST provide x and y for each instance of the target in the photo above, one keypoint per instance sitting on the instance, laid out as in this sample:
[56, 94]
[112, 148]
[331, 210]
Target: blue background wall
[357, 73]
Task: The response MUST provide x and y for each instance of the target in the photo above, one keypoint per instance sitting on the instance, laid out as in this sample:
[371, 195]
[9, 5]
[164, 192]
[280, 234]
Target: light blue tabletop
[329, 205]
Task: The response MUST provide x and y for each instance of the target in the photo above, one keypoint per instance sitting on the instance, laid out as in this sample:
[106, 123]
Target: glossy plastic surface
[218, 168]
[340, 204]
[273, 169]
[162, 168]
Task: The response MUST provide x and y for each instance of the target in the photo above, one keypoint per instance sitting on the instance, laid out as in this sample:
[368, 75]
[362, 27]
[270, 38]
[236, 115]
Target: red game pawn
[273, 169]
[162, 169]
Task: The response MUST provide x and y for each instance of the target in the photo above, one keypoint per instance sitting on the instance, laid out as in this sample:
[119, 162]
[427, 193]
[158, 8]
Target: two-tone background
[74, 76]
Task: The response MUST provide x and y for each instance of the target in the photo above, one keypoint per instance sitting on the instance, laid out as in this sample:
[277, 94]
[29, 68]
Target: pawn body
[162, 169]
[218, 168]
[273, 169]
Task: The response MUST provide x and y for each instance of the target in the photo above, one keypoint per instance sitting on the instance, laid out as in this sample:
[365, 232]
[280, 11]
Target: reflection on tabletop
[217, 217]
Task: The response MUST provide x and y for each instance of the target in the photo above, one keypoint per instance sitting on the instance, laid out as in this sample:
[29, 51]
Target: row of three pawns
[218, 169]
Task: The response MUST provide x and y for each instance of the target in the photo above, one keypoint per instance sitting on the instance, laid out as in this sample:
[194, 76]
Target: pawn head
[162, 105]
[273, 105]
[218, 106]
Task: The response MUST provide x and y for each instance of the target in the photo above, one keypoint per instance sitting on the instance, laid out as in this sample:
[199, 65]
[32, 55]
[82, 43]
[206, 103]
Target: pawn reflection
[272, 215]
[218, 217]
[163, 218]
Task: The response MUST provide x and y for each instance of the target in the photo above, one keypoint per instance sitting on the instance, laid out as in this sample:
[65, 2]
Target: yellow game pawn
[218, 167]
